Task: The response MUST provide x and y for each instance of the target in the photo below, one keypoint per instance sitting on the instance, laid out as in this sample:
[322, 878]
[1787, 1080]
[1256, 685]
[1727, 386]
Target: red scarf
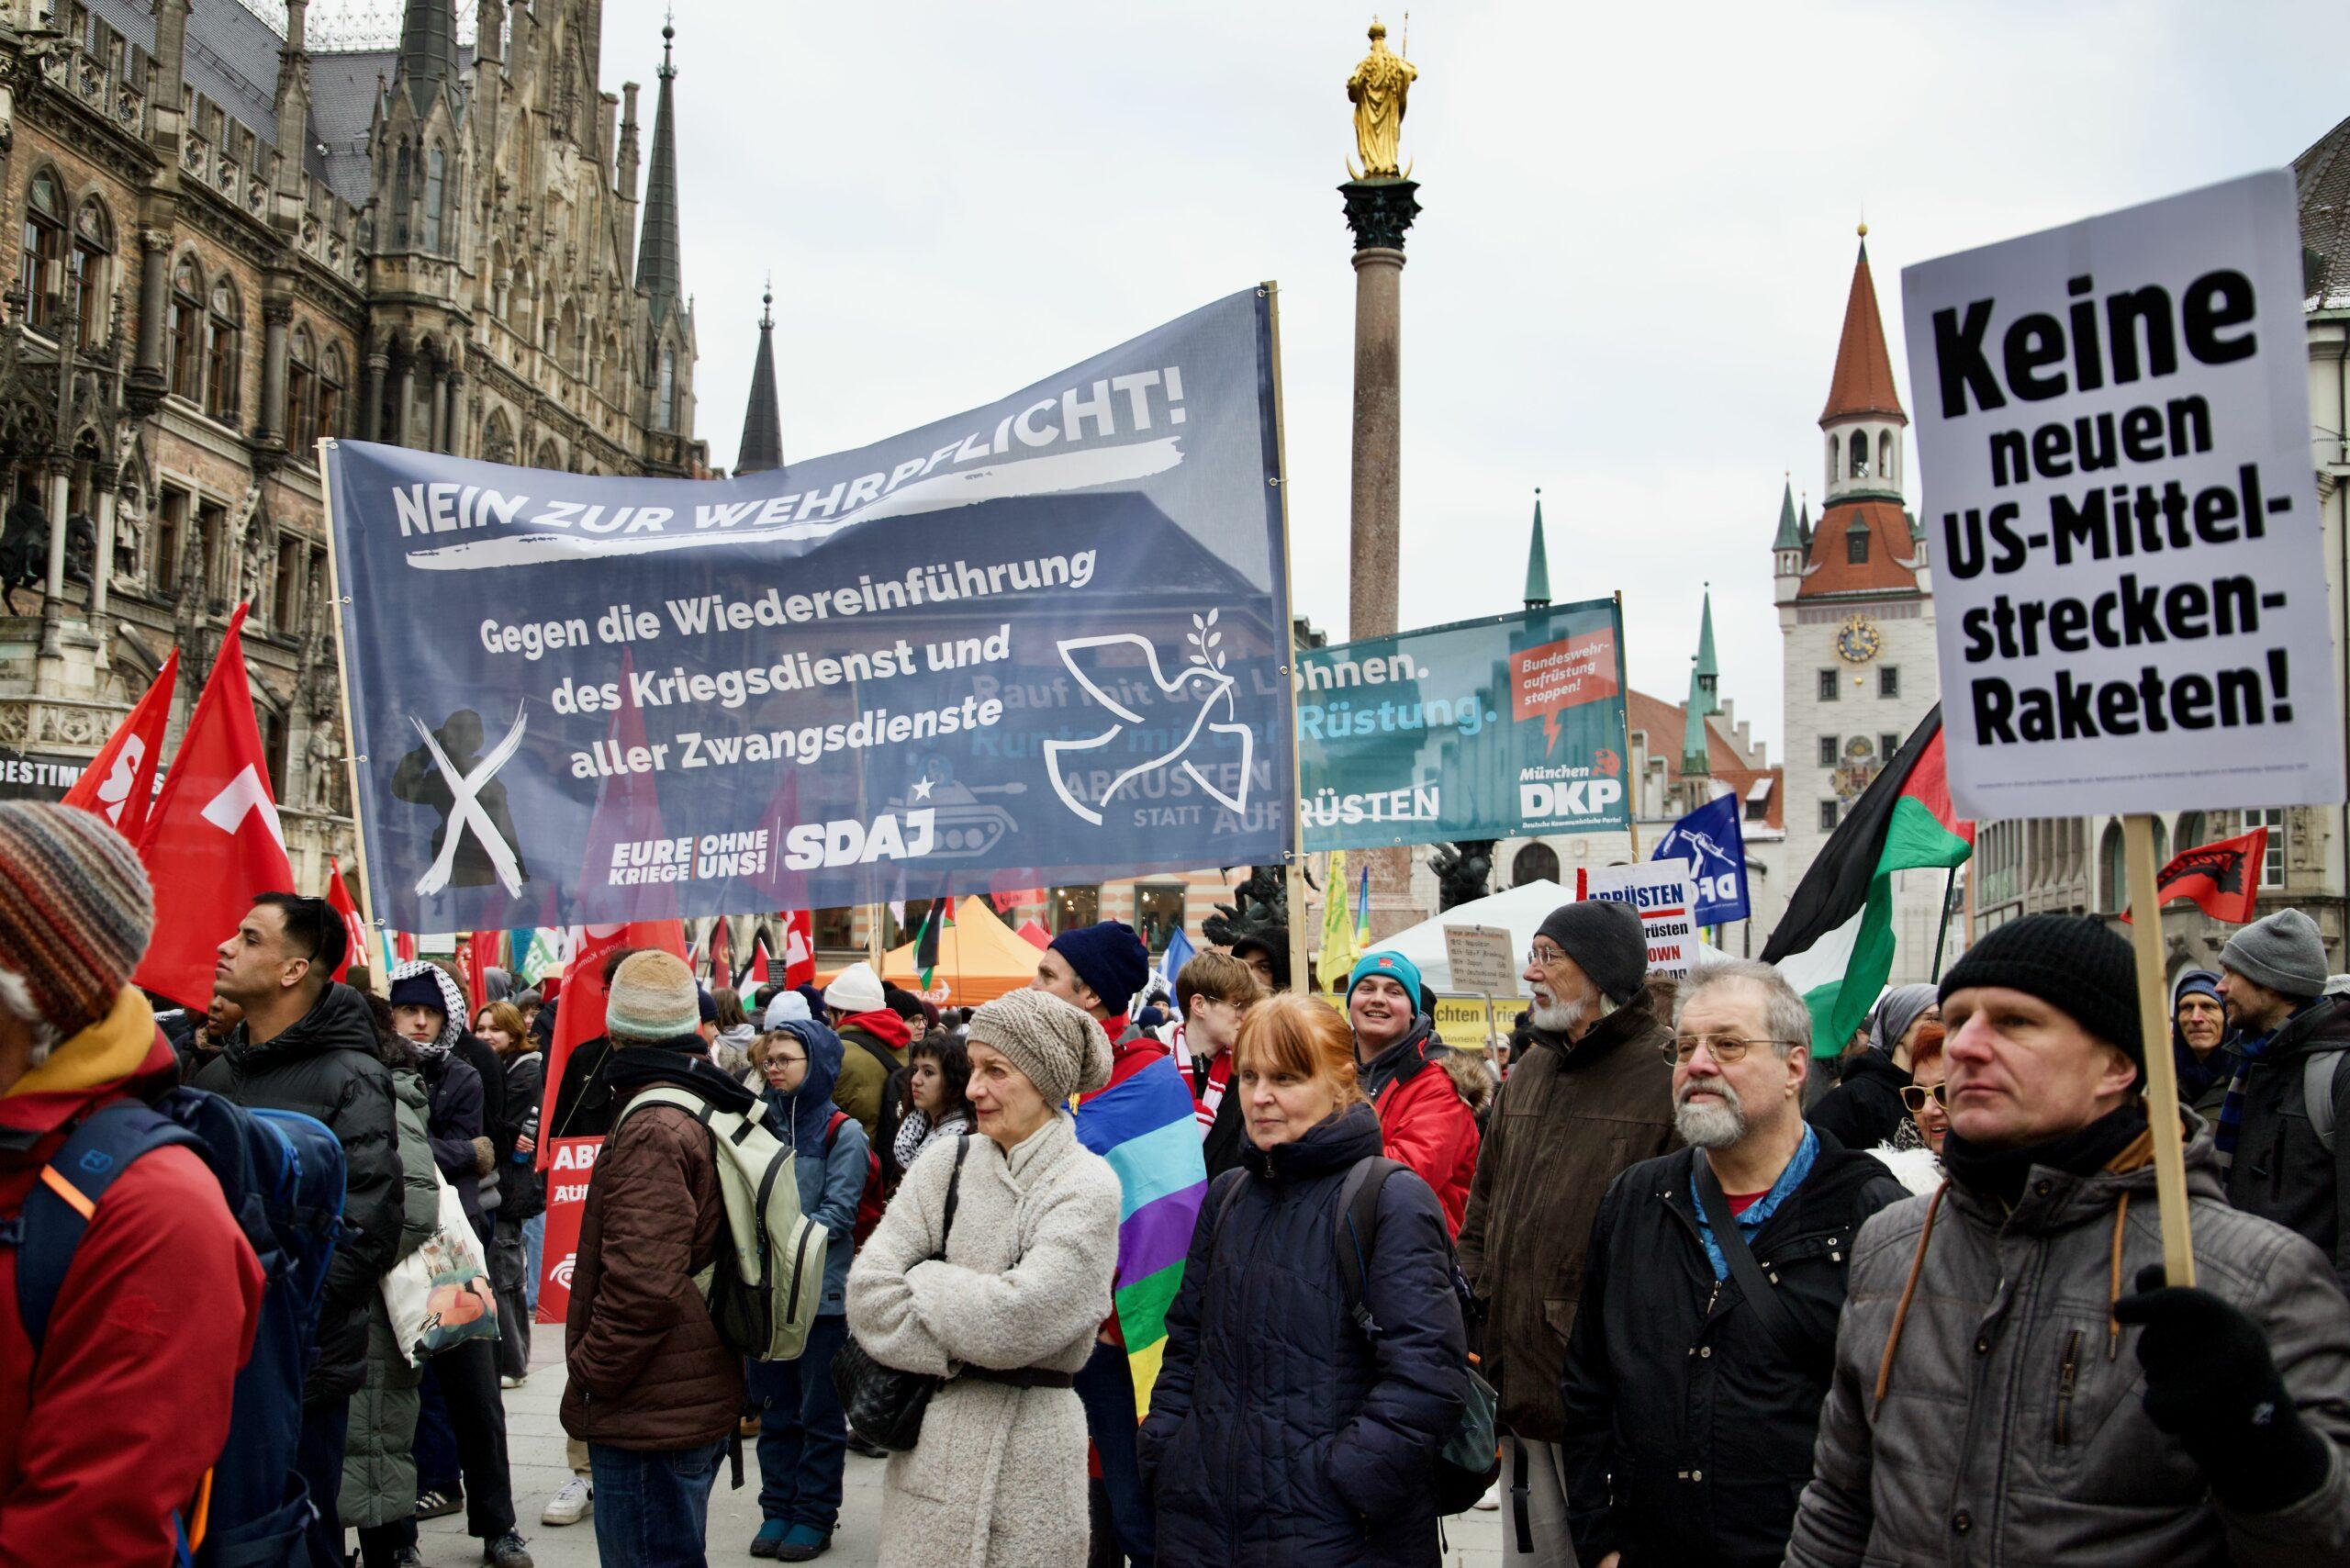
[1205, 1097]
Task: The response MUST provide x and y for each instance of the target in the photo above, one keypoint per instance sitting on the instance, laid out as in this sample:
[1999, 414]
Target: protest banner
[1496, 728]
[1484, 962]
[567, 1173]
[2113, 428]
[1046, 637]
[1713, 840]
[1665, 894]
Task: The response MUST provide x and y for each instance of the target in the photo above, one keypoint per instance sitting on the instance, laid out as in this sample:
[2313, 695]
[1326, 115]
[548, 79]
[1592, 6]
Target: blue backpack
[282, 1175]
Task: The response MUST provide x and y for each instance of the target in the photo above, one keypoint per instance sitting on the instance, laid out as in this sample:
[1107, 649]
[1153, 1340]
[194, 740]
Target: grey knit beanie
[1055, 1043]
[652, 998]
[2283, 952]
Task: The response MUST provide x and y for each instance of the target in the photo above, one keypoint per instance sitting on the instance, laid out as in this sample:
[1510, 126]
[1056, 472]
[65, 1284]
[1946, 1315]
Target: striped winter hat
[653, 997]
[75, 909]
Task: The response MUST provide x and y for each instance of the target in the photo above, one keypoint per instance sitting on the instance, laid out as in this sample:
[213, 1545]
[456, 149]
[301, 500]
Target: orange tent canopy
[980, 957]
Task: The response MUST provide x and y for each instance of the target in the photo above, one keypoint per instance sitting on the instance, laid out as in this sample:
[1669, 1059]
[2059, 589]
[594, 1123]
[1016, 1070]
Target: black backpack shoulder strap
[1764, 1301]
[953, 1192]
[1357, 1228]
[58, 1209]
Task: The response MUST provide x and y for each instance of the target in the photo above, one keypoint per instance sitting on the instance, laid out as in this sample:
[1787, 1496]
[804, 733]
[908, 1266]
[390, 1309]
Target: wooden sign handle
[2162, 1072]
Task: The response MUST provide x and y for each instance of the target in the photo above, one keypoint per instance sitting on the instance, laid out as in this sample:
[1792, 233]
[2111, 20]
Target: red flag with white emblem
[213, 841]
[119, 783]
[800, 949]
[354, 929]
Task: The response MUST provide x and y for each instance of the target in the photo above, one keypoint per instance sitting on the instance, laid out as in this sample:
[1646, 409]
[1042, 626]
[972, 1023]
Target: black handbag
[885, 1405]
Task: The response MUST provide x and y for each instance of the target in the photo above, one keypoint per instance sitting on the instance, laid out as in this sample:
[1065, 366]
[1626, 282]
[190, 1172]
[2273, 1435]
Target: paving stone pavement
[535, 1450]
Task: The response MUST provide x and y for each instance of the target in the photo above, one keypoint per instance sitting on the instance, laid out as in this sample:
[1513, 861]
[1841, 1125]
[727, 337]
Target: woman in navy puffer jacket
[1280, 1432]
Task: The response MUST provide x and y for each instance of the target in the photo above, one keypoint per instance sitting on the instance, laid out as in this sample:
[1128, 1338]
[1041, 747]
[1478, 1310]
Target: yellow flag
[1338, 949]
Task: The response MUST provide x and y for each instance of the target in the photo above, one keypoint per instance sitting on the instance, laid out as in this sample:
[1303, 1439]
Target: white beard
[1560, 1017]
[1710, 1127]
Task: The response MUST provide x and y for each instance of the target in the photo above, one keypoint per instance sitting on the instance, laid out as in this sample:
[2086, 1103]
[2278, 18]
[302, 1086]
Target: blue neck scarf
[1807, 1152]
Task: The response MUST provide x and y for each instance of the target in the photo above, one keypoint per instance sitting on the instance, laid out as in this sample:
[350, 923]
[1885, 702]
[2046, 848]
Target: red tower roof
[1863, 388]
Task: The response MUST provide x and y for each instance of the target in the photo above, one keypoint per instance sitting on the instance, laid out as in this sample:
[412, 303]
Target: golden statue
[1377, 90]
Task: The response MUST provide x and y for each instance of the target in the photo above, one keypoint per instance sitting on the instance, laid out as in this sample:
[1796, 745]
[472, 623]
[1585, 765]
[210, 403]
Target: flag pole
[352, 759]
[1631, 778]
[1941, 928]
[1293, 858]
[2161, 1072]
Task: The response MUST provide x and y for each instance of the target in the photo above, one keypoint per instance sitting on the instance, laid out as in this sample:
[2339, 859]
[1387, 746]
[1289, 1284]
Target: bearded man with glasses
[1710, 1293]
[1588, 1095]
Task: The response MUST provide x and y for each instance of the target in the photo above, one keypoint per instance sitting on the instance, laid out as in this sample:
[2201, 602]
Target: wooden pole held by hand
[2162, 1072]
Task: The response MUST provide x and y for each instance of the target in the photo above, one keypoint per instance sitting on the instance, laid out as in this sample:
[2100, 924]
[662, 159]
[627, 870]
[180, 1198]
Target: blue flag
[1179, 953]
[1711, 841]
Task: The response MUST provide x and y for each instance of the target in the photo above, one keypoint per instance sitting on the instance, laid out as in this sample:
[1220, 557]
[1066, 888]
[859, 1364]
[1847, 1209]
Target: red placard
[571, 1162]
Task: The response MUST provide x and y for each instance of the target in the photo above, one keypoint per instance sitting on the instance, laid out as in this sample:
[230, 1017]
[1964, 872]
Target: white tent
[1520, 911]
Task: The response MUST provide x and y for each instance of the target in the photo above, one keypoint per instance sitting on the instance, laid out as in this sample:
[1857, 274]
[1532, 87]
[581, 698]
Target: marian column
[1381, 206]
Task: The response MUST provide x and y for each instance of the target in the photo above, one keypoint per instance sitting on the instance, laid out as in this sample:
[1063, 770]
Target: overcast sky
[1625, 288]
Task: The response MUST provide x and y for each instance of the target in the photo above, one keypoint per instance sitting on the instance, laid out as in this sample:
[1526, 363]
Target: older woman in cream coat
[998, 1480]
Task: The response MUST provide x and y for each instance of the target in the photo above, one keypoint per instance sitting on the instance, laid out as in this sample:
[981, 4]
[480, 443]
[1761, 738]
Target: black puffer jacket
[1864, 1110]
[524, 1193]
[325, 1066]
[455, 1122]
[2281, 1171]
[1278, 1433]
[1689, 1431]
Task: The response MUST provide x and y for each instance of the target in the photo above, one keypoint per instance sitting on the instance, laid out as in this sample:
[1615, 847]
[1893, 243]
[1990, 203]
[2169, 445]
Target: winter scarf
[1762, 1209]
[684, 1062]
[916, 1133]
[452, 1005]
[2001, 1172]
[883, 1025]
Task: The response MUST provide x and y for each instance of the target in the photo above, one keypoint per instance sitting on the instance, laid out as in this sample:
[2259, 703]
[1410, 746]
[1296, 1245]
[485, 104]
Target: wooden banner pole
[2162, 1072]
[351, 757]
[1294, 862]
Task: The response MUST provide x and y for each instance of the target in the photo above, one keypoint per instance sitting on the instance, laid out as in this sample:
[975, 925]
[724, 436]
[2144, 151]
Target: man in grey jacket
[1996, 1397]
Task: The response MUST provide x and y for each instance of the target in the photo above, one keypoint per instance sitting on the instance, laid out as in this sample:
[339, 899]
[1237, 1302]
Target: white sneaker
[569, 1506]
[1492, 1500]
[504, 1382]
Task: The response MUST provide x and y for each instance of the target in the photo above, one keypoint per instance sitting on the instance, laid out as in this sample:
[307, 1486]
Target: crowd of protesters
[1724, 1316]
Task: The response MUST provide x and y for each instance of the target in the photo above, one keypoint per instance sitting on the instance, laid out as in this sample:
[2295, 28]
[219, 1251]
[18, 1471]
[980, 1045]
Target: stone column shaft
[103, 567]
[437, 441]
[371, 413]
[276, 315]
[154, 294]
[59, 489]
[1374, 554]
[455, 444]
[403, 402]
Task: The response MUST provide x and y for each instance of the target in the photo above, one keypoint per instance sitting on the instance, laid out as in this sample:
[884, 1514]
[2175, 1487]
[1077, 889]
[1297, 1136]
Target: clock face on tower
[1858, 639]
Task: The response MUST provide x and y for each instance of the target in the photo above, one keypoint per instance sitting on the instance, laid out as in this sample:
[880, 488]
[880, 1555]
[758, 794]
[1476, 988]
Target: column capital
[1381, 211]
[155, 240]
[276, 310]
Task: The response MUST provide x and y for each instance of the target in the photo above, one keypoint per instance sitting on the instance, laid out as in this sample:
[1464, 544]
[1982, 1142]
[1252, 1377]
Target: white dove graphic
[1216, 694]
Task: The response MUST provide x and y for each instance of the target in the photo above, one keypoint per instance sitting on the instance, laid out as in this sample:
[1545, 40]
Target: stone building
[235, 239]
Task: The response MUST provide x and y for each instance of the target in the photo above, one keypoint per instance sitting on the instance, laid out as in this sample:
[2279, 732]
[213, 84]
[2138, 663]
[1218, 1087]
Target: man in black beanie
[1996, 1395]
[1589, 1095]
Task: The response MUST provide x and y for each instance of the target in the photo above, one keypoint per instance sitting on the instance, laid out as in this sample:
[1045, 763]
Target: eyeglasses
[1915, 1096]
[1724, 1048]
[776, 1059]
[1543, 958]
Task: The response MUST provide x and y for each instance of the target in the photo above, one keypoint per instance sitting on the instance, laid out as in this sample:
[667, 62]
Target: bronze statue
[1377, 90]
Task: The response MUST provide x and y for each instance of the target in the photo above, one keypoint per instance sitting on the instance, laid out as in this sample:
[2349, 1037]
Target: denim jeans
[653, 1509]
[534, 1244]
[803, 1437]
[1106, 1389]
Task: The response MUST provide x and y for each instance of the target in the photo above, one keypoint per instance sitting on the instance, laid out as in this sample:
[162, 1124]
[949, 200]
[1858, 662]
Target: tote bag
[438, 1296]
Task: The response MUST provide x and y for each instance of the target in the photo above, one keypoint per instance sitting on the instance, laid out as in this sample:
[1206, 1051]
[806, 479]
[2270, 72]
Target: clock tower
[1856, 616]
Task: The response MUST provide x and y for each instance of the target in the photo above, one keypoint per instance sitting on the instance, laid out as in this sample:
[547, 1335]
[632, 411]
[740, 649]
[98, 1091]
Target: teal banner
[1508, 727]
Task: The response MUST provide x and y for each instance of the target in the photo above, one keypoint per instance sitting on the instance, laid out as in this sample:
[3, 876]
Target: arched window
[333, 379]
[93, 288]
[1860, 454]
[2113, 879]
[224, 355]
[1856, 538]
[1885, 456]
[40, 270]
[2190, 835]
[403, 181]
[665, 391]
[436, 191]
[301, 396]
[1537, 862]
[1835, 454]
[185, 325]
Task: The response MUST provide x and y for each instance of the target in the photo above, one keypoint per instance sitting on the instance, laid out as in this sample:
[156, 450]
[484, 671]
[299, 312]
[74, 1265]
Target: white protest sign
[2114, 432]
[1664, 893]
[1485, 959]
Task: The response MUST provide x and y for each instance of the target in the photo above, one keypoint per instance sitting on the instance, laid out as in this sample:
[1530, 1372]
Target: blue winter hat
[1109, 958]
[2195, 982]
[1395, 966]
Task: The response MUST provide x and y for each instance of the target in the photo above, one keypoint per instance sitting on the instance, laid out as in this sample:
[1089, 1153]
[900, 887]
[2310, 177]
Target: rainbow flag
[1144, 1124]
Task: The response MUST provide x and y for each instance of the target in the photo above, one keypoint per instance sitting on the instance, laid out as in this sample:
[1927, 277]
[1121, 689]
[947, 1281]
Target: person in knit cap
[1867, 1110]
[873, 1042]
[2198, 1027]
[1099, 969]
[1999, 1384]
[2287, 1084]
[1588, 1095]
[653, 1391]
[132, 1401]
[1421, 1116]
[1004, 1303]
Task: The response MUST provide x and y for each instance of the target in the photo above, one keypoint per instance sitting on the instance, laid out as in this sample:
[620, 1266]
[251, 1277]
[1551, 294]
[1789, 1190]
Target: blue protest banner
[1040, 641]
[1710, 839]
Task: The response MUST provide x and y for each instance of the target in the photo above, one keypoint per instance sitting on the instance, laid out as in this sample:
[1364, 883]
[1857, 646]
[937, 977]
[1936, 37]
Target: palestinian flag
[941, 917]
[1834, 944]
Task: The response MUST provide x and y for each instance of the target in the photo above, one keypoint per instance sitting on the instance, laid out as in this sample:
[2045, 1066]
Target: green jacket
[378, 1471]
[864, 1080]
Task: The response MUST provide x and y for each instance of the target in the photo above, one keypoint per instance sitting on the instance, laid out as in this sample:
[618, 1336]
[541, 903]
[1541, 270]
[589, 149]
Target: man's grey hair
[1783, 1014]
[18, 998]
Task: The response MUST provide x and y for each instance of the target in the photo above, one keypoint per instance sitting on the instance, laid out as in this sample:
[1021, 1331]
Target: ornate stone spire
[1537, 561]
[660, 272]
[762, 446]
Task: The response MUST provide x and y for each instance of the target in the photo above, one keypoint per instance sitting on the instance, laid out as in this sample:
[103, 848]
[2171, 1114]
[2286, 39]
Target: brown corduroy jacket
[647, 1369]
[1567, 1121]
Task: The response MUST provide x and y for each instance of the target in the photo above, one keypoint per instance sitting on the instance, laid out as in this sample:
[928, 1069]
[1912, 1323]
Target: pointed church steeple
[1537, 561]
[1708, 672]
[659, 270]
[763, 420]
[427, 49]
[1863, 386]
[1789, 536]
[1696, 755]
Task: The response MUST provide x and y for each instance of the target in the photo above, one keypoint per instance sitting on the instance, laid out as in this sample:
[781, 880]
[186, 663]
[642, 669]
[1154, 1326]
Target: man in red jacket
[1423, 1120]
[112, 1431]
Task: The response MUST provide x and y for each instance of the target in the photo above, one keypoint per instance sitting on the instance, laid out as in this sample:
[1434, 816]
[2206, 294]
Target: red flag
[757, 973]
[213, 840]
[2222, 878]
[722, 953]
[119, 783]
[481, 957]
[800, 949]
[354, 929]
[580, 1015]
[404, 945]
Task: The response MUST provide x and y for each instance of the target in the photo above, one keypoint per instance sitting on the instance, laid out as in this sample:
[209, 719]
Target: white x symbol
[465, 811]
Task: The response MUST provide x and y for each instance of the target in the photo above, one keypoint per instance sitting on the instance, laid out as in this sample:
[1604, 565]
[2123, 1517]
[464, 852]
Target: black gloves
[2211, 1383]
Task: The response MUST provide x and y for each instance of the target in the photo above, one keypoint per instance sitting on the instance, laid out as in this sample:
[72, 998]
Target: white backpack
[765, 1286]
